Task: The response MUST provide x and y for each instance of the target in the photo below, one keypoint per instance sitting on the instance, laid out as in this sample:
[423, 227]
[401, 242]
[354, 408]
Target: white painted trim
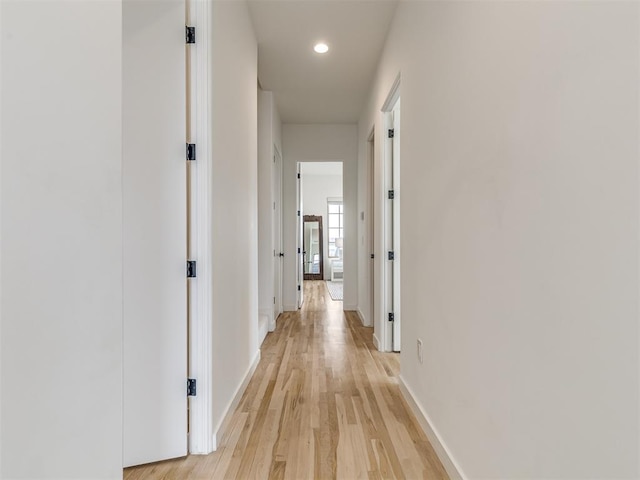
[263, 327]
[376, 342]
[267, 312]
[393, 95]
[275, 225]
[231, 407]
[390, 242]
[200, 337]
[290, 308]
[444, 454]
[362, 319]
[349, 308]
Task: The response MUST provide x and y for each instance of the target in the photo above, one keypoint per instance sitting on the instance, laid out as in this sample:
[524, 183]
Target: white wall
[519, 187]
[320, 143]
[61, 350]
[235, 186]
[315, 191]
[269, 134]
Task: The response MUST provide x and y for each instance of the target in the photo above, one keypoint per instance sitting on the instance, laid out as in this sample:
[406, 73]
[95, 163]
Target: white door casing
[390, 181]
[277, 235]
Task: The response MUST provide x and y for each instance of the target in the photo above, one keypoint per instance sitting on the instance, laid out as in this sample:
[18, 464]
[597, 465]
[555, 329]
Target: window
[335, 219]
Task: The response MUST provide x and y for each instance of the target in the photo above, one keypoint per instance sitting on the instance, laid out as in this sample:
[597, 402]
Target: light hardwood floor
[323, 403]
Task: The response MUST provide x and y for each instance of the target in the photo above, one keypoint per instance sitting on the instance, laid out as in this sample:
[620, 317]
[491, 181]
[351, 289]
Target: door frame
[370, 225]
[278, 246]
[389, 215]
[201, 434]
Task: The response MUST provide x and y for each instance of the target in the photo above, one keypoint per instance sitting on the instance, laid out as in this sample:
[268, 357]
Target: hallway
[323, 403]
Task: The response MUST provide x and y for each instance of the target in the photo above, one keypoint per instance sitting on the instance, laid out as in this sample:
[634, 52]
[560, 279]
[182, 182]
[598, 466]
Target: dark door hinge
[391, 194]
[191, 269]
[298, 287]
[298, 212]
[191, 151]
[190, 34]
[191, 387]
[391, 256]
[391, 133]
[298, 175]
[298, 249]
[373, 256]
[391, 317]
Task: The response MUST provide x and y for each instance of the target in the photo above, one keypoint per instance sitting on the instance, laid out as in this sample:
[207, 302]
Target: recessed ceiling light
[321, 48]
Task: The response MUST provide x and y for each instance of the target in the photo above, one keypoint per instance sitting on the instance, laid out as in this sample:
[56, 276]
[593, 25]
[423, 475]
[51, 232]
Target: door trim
[201, 434]
[389, 217]
[276, 231]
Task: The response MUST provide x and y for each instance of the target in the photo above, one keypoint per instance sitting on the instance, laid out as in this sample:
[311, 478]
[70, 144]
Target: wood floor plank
[323, 404]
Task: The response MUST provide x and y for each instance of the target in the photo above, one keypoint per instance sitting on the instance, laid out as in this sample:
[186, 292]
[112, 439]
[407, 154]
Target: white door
[154, 211]
[300, 242]
[392, 229]
[388, 235]
[372, 230]
[396, 226]
[277, 234]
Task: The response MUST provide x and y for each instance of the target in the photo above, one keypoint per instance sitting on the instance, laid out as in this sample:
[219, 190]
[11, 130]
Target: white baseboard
[453, 469]
[362, 319]
[228, 413]
[263, 327]
[349, 308]
[290, 308]
[273, 324]
[267, 312]
[376, 342]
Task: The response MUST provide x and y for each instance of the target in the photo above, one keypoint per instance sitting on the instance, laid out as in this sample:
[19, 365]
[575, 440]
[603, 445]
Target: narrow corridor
[323, 403]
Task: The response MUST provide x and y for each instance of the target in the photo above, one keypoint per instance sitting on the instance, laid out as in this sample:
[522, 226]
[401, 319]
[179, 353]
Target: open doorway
[321, 202]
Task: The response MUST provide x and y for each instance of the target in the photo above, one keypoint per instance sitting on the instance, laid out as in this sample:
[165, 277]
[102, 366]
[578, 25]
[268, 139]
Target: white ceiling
[313, 88]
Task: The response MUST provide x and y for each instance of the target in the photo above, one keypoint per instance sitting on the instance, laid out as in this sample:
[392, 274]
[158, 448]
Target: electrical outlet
[420, 350]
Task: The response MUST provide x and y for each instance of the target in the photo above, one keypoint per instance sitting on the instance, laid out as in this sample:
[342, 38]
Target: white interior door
[372, 231]
[396, 226]
[388, 235]
[300, 242]
[277, 234]
[392, 251]
[154, 210]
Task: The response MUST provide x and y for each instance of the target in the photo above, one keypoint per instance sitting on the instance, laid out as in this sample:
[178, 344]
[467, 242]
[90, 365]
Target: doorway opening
[321, 231]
